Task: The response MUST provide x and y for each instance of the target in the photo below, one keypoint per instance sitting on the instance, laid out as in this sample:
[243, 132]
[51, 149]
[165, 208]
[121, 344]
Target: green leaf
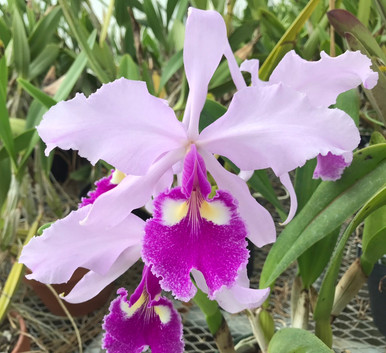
[200, 4]
[210, 309]
[345, 22]
[128, 68]
[170, 7]
[219, 5]
[326, 294]
[79, 33]
[296, 340]
[155, 22]
[304, 184]
[177, 36]
[147, 76]
[377, 137]
[314, 260]
[128, 42]
[21, 52]
[286, 42]
[272, 24]
[76, 69]
[210, 113]
[44, 30]
[21, 142]
[349, 102]
[374, 236]
[182, 10]
[5, 33]
[222, 75]
[81, 174]
[330, 205]
[105, 58]
[106, 23]
[172, 66]
[5, 180]
[5, 127]
[310, 48]
[136, 4]
[43, 61]
[242, 34]
[381, 6]
[364, 9]
[121, 14]
[3, 76]
[14, 276]
[17, 126]
[36, 93]
[260, 183]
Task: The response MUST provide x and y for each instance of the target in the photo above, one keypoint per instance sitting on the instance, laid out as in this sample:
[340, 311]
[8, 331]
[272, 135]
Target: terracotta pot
[81, 309]
[23, 343]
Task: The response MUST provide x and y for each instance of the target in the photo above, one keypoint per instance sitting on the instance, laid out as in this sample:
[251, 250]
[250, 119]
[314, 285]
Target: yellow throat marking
[130, 310]
[163, 312]
[173, 211]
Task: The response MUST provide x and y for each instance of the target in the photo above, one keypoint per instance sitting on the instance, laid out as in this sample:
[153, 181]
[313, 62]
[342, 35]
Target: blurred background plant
[49, 50]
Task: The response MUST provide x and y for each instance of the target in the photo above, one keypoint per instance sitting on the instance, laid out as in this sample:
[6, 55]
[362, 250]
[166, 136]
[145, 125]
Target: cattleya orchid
[278, 124]
[150, 319]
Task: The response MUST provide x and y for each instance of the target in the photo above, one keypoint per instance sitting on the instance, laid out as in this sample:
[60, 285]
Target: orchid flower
[146, 319]
[269, 125]
[321, 82]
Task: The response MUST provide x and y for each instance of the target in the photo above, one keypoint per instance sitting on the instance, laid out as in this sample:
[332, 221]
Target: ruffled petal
[238, 297]
[322, 81]
[260, 225]
[205, 43]
[331, 167]
[277, 127]
[128, 331]
[67, 245]
[131, 193]
[115, 124]
[211, 239]
[92, 283]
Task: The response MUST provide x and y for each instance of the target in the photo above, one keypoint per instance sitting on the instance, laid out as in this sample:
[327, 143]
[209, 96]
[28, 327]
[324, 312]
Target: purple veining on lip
[217, 250]
[194, 174]
[135, 331]
[102, 185]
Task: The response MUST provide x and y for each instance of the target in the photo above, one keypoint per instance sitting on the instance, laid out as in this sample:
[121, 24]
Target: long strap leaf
[285, 44]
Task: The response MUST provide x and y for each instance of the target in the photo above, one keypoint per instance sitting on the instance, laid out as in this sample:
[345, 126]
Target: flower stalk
[216, 322]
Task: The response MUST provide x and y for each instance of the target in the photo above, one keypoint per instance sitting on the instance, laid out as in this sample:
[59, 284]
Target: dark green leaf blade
[330, 205]
[296, 340]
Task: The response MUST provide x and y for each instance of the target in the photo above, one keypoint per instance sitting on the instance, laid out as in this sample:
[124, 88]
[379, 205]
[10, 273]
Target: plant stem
[348, 287]
[106, 22]
[257, 330]
[216, 322]
[332, 33]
